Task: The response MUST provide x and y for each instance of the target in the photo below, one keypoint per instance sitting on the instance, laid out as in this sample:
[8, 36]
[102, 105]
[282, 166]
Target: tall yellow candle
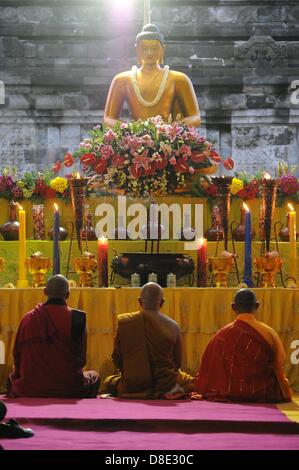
[22, 281]
[292, 245]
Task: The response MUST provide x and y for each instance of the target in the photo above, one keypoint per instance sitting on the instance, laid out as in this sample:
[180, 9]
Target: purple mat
[116, 409]
[154, 425]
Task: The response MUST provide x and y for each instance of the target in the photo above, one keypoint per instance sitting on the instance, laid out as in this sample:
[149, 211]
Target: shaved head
[151, 296]
[245, 301]
[57, 287]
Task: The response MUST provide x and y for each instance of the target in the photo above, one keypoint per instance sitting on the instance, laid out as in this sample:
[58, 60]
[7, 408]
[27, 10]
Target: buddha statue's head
[150, 45]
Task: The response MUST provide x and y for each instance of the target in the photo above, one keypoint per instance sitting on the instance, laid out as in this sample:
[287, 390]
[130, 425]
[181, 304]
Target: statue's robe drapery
[244, 362]
[49, 353]
[147, 351]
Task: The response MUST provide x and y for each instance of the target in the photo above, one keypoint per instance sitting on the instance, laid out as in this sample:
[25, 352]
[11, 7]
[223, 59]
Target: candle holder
[78, 198]
[268, 266]
[221, 267]
[10, 230]
[38, 219]
[85, 266]
[38, 266]
[269, 189]
[88, 232]
[223, 192]
[215, 232]
[284, 232]
[238, 233]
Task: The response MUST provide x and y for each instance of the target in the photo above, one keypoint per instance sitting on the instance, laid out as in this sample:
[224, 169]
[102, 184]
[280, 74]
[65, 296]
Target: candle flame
[103, 240]
[245, 207]
[291, 207]
[78, 175]
[267, 176]
[55, 206]
[19, 207]
[201, 241]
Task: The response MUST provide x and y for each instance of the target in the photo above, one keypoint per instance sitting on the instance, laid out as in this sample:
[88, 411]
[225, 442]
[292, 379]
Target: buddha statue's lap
[151, 90]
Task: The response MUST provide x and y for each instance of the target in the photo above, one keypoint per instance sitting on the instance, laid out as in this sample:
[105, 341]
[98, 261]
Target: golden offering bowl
[38, 266]
[220, 267]
[268, 267]
[85, 267]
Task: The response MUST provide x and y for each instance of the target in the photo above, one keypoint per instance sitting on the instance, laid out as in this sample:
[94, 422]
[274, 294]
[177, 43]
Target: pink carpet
[114, 424]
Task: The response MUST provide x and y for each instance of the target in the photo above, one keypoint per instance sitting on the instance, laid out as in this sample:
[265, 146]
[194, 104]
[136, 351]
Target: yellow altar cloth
[200, 313]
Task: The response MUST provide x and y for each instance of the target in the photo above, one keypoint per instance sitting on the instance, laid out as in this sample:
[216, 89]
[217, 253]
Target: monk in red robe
[50, 350]
[148, 352]
[244, 361]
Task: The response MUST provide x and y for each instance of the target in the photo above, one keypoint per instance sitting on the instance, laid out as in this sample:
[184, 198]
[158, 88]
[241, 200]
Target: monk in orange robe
[244, 361]
[148, 352]
[50, 350]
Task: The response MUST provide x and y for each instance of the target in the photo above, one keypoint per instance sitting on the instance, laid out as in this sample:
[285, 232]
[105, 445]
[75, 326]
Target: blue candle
[247, 256]
[56, 251]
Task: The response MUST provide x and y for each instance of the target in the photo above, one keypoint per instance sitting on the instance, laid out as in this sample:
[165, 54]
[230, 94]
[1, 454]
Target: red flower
[136, 172]
[229, 164]
[197, 157]
[118, 161]
[68, 160]
[88, 159]
[151, 169]
[181, 166]
[215, 156]
[101, 166]
[57, 166]
[211, 190]
[161, 162]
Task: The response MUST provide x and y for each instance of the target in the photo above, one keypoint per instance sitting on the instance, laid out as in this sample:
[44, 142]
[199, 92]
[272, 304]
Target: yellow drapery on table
[200, 313]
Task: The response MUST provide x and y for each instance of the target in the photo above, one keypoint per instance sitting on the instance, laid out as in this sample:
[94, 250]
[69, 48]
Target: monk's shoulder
[126, 317]
[267, 328]
[170, 322]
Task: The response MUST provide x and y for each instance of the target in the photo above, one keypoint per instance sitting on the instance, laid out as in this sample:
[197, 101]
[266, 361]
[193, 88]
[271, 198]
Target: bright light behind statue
[121, 9]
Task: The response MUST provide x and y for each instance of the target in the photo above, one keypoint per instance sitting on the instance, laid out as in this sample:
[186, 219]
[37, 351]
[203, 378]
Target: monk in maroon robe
[244, 361]
[50, 350]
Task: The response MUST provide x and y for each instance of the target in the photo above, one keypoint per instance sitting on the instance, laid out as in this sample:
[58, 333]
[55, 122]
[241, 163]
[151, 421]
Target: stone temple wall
[57, 59]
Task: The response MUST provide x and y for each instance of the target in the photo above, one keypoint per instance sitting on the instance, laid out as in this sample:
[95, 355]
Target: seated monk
[148, 352]
[50, 350]
[151, 90]
[244, 361]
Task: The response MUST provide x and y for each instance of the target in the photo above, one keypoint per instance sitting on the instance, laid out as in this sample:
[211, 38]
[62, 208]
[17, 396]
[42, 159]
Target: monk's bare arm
[117, 354]
[115, 101]
[187, 100]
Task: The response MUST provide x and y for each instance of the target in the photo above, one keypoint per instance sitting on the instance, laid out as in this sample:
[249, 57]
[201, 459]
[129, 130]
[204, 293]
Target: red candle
[103, 261]
[202, 247]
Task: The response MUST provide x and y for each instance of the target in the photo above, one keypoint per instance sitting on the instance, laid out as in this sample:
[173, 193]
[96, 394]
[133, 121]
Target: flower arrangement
[248, 187]
[36, 186]
[141, 157]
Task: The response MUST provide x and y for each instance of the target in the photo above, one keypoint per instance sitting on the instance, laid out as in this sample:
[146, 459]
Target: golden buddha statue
[151, 90]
